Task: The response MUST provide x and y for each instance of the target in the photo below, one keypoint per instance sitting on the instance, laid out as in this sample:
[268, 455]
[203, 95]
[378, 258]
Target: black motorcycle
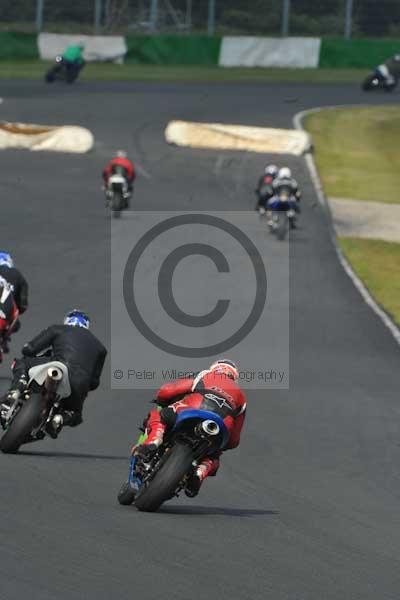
[63, 70]
[195, 435]
[377, 81]
[34, 412]
[118, 193]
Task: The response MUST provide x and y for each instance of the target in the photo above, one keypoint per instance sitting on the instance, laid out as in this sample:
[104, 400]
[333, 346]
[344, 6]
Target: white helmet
[271, 170]
[285, 173]
[121, 154]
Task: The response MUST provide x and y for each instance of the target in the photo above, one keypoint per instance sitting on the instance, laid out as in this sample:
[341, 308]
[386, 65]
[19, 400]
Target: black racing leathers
[19, 285]
[77, 348]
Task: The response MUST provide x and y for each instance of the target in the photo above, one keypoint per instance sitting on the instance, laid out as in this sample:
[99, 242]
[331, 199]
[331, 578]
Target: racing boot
[208, 467]
[54, 426]
[155, 429]
[68, 418]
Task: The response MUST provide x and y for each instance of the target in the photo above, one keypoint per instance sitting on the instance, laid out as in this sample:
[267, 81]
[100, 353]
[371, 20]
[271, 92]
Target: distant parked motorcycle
[63, 70]
[118, 193]
[31, 415]
[281, 214]
[380, 79]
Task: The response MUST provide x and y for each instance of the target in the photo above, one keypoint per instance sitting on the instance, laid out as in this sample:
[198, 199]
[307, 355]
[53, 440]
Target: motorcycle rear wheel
[166, 480]
[281, 226]
[31, 414]
[116, 205]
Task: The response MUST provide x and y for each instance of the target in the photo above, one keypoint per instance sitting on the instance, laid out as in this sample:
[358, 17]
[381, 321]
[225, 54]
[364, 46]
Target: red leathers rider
[184, 394]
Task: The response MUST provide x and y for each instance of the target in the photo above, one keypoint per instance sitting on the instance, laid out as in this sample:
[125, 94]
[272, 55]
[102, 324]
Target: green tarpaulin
[356, 53]
[18, 45]
[173, 50]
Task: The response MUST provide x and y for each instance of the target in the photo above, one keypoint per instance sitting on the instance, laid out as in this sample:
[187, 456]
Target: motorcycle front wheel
[166, 480]
[30, 415]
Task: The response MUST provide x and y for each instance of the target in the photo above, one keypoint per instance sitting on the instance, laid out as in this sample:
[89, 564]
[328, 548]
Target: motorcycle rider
[390, 70]
[76, 347]
[15, 279]
[73, 57]
[120, 160]
[284, 181]
[215, 389]
[8, 314]
[264, 190]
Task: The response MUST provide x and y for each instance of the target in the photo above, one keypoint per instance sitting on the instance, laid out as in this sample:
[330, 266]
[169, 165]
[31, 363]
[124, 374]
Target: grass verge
[377, 264]
[35, 69]
[356, 151]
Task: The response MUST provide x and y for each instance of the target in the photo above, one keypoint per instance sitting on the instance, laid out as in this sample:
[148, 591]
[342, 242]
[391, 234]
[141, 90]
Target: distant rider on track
[122, 161]
[15, 279]
[18, 284]
[285, 182]
[264, 190]
[390, 70]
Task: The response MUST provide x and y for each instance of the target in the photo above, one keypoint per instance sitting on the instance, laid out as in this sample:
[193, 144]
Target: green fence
[356, 53]
[18, 45]
[173, 50]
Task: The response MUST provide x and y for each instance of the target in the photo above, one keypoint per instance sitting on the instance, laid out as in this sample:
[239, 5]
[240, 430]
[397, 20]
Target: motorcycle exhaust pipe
[210, 427]
[54, 376]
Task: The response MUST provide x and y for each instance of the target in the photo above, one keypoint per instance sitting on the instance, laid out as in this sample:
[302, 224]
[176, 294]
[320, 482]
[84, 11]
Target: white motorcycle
[118, 194]
[37, 411]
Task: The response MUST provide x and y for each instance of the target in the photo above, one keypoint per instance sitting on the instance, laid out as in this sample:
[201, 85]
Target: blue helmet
[6, 260]
[77, 318]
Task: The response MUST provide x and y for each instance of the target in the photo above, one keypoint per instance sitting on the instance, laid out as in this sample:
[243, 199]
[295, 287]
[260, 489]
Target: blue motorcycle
[281, 214]
[194, 435]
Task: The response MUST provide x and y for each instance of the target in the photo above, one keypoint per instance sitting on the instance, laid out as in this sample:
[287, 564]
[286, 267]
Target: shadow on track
[215, 510]
[77, 455]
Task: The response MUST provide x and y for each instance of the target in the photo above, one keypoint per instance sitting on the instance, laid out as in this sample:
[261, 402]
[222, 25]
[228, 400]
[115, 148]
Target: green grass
[377, 264]
[357, 152]
[34, 69]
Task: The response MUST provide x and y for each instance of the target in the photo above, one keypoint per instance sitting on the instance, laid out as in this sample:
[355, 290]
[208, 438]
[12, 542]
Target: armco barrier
[97, 47]
[342, 53]
[269, 52]
[18, 45]
[173, 49]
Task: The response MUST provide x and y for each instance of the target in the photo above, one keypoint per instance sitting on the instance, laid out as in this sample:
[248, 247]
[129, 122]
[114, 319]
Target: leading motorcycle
[195, 435]
[118, 194]
[31, 415]
[378, 80]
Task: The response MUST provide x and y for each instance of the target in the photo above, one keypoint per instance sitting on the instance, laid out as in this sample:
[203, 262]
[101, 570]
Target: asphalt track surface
[307, 508]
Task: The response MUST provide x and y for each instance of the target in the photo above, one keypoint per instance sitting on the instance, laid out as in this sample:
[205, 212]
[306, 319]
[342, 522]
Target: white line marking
[367, 297]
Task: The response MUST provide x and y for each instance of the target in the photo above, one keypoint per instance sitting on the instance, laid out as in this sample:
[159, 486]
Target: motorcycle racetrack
[307, 507]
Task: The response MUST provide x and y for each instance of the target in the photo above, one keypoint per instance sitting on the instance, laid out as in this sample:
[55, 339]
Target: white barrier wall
[269, 52]
[97, 47]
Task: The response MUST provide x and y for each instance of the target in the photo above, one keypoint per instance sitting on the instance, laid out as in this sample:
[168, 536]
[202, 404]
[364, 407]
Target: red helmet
[225, 367]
